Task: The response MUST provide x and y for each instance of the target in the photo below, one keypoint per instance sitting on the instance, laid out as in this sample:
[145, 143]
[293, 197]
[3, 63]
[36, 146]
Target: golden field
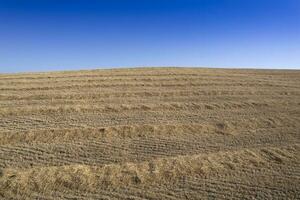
[150, 133]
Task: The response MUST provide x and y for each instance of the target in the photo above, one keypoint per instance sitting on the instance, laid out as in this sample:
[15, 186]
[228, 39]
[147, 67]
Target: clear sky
[44, 35]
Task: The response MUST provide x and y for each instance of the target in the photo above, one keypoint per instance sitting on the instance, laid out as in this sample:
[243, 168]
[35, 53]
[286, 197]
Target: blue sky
[44, 35]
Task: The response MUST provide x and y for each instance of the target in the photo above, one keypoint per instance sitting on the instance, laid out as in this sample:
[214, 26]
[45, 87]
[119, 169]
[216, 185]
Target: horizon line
[143, 67]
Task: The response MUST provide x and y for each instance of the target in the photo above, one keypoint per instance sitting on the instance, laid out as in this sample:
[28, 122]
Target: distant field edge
[137, 68]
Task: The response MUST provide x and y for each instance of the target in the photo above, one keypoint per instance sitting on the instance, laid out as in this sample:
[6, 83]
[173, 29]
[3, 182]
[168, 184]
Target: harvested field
[150, 133]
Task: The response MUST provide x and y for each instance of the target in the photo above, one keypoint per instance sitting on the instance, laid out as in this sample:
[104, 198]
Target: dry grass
[152, 133]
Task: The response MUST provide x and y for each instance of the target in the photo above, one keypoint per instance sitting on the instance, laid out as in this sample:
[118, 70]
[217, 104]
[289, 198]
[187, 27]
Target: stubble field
[150, 133]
